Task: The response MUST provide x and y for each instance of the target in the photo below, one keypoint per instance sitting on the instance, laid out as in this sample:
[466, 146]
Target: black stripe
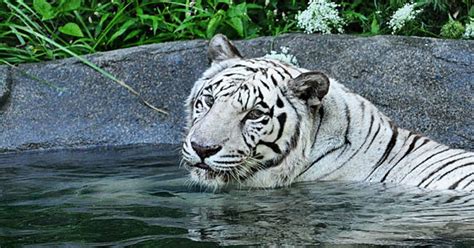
[246, 141]
[259, 156]
[281, 75]
[271, 62]
[321, 116]
[260, 96]
[418, 165]
[264, 84]
[465, 186]
[275, 148]
[263, 104]
[245, 67]
[456, 168]
[347, 142]
[410, 148]
[231, 74]
[442, 160]
[226, 87]
[217, 83]
[368, 133]
[231, 156]
[422, 144]
[388, 149]
[282, 120]
[437, 170]
[375, 135]
[401, 148]
[285, 70]
[185, 152]
[461, 166]
[279, 102]
[273, 80]
[296, 136]
[456, 184]
[357, 151]
[247, 100]
[226, 162]
[319, 158]
[258, 129]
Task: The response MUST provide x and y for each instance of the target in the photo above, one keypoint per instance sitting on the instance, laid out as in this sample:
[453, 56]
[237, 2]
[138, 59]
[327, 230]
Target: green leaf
[44, 9]
[139, 13]
[254, 6]
[214, 23]
[69, 5]
[374, 27]
[99, 27]
[183, 26]
[471, 11]
[237, 24]
[354, 16]
[71, 29]
[237, 10]
[223, 1]
[132, 34]
[154, 21]
[121, 30]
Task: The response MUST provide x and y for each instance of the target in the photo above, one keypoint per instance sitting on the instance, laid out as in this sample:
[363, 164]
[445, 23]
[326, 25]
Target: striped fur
[264, 123]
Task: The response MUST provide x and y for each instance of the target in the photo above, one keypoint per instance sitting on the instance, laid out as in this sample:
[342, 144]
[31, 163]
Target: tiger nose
[205, 151]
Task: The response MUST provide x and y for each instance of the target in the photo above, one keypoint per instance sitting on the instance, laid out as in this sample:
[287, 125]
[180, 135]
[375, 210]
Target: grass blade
[93, 66]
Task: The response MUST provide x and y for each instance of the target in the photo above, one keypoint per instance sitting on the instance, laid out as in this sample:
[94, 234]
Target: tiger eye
[209, 100]
[254, 114]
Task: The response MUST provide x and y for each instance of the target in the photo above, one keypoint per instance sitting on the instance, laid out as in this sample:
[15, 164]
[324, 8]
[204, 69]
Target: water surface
[139, 196]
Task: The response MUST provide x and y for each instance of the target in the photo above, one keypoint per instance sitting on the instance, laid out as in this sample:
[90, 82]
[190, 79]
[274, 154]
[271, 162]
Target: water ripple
[137, 196]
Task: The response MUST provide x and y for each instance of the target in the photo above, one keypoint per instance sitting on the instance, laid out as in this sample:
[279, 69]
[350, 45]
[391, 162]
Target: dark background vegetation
[50, 29]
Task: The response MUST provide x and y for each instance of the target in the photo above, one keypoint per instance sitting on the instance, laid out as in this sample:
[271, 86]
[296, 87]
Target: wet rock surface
[423, 84]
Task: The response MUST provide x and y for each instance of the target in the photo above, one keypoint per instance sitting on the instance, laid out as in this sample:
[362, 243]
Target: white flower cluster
[320, 16]
[469, 33]
[284, 56]
[402, 16]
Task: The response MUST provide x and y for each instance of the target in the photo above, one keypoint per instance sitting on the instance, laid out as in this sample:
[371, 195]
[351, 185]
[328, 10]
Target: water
[138, 196]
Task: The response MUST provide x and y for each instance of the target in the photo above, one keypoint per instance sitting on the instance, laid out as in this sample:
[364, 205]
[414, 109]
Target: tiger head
[250, 120]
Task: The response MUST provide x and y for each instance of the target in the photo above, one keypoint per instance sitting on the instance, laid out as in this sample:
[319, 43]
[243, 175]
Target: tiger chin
[264, 123]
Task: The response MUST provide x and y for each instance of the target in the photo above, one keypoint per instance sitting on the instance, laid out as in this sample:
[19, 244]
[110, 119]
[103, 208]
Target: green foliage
[372, 17]
[71, 28]
[452, 29]
[88, 26]
[44, 9]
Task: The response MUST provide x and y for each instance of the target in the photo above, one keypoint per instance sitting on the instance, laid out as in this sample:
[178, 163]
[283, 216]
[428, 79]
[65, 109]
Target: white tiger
[264, 123]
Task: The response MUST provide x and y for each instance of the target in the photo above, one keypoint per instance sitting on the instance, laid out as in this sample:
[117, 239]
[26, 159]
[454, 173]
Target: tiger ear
[311, 87]
[220, 48]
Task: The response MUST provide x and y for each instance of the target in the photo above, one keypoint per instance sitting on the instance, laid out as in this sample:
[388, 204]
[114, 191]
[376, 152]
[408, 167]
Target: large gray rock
[424, 84]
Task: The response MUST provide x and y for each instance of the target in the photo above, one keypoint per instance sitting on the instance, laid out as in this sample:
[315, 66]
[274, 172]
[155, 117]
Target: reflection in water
[315, 213]
[126, 196]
